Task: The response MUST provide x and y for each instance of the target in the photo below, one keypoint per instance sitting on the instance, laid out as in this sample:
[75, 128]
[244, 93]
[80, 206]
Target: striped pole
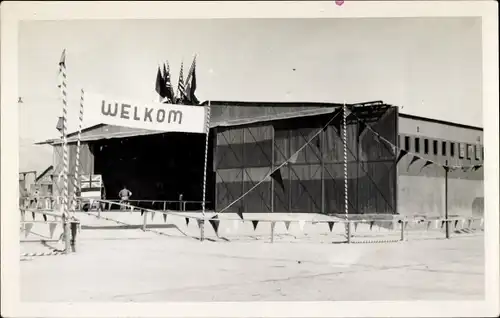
[207, 133]
[76, 180]
[346, 194]
[65, 206]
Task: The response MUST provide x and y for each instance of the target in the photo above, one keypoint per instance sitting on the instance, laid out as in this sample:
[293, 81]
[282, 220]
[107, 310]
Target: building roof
[237, 113]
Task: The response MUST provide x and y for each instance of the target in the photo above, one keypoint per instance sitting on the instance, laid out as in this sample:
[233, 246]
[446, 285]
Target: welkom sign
[150, 116]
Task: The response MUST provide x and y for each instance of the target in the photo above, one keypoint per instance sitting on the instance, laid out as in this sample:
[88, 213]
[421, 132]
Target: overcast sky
[430, 66]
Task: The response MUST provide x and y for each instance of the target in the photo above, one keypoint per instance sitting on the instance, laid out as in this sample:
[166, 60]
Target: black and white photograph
[265, 157]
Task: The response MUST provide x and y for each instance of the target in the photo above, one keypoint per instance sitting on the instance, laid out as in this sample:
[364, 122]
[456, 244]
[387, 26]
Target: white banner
[151, 116]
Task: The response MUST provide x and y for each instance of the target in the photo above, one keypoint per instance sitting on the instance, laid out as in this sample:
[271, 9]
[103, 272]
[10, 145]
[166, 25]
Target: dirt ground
[136, 266]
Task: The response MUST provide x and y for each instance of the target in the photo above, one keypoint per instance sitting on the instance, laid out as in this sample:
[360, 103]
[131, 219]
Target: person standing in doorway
[124, 195]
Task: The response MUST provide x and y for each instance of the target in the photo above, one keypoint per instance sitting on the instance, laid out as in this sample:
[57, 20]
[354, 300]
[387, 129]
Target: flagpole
[207, 133]
[65, 205]
[76, 181]
[346, 184]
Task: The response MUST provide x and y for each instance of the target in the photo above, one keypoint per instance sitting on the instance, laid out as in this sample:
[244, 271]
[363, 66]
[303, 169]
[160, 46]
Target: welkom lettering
[143, 114]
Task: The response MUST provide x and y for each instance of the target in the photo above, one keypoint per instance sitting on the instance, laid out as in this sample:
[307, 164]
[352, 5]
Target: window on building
[470, 151]
[407, 143]
[478, 152]
[435, 147]
[443, 148]
[417, 145]
[461, 151]
[452, 149]
[426, 146]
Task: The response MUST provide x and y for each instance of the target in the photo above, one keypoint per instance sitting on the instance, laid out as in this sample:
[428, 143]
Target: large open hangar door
[156, 167]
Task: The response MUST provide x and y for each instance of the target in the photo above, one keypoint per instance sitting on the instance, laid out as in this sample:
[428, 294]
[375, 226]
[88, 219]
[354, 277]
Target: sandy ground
[135, 266]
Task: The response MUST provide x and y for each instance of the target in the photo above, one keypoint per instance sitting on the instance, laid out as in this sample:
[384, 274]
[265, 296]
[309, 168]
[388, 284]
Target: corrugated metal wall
[314, 182]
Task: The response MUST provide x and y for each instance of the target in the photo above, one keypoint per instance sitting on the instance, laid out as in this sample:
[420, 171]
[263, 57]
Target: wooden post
[74, 230]
[403, 230]
[144, 220]
[272, 231]
[446, 201]
[348, 226]
[67, 231]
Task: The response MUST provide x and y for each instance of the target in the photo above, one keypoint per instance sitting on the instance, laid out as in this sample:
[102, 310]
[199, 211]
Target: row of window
[448, 148]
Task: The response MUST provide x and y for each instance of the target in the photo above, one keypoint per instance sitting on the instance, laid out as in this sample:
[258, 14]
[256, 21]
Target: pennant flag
[52, 227]
[456, 223]
[240, 214]
[442, 224]
[402, 153]
[371, 224]
[165, 217]
[187, 221]
[361, 127]
[160, 85]
[59, 125]
[62, 60]
[301, 225]
[152, 216]
[466, 169]
[276, 175]
[330, 225]
[355, 226]
[428, 162]
[142, 211]
[27, 229]
[255, 223]
[287, 225]
[293, 158]
[476, 167]
[199, 221]
[169, 90]
[33, 214]
[415, 159]
[215, 224]
[44, 217]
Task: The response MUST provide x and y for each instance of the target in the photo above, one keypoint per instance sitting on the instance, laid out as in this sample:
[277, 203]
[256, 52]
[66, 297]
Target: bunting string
[400, 152]
[279, 167]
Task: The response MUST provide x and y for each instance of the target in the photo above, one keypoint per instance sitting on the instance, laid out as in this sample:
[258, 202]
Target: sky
[430, 67]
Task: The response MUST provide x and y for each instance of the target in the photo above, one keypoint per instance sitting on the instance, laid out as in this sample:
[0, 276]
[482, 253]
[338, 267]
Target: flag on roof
[160, 85]
[191, 84]
[169, 90]
[182, 89]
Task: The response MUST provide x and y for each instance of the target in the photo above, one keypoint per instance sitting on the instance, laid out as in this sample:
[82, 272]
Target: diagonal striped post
[65, 205]
[207, 133]
[346, 186]
[76, 180]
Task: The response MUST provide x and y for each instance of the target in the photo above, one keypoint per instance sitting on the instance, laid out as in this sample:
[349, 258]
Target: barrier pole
[207, 133]
[446, 201]
[65, 205]
[346, 183]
